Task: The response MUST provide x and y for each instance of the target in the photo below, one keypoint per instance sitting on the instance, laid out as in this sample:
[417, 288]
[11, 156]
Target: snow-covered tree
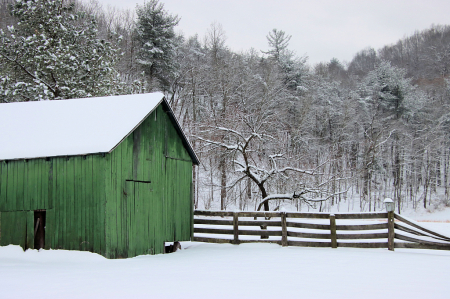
[257, 156]
[157, 42]
[278, 43]
[387, 101]
[54, 53]
[255, 137]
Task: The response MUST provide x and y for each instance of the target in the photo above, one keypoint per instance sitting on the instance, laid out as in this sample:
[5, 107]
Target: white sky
[321, 29]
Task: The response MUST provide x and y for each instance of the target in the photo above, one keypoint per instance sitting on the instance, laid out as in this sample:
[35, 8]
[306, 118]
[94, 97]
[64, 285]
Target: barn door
[39, 229]
[145, 229]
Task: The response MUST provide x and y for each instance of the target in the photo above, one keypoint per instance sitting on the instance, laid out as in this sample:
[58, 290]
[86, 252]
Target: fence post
[284, 241]
[333, 231]
[236, 228]
[391, 232]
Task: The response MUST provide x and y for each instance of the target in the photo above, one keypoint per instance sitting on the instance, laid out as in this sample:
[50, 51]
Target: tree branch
[28, 73]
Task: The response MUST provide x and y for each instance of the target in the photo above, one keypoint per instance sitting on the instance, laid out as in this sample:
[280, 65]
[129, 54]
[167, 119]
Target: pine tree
[156, 36]
[54, 53]
[278, 42]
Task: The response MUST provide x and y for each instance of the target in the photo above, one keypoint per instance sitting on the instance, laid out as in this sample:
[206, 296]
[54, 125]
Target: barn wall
[149, 181]
[70, 189]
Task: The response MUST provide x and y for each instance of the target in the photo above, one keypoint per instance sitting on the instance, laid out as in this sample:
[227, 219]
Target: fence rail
[319, 230]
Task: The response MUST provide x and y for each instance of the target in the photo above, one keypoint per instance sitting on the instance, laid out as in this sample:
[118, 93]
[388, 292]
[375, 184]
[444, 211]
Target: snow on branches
[253, 159]
[54, 53]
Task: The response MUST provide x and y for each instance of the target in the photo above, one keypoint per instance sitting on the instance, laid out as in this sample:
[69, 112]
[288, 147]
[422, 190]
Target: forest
[271, 130]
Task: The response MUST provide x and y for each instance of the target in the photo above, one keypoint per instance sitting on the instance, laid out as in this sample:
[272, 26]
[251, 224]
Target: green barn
[111, 175]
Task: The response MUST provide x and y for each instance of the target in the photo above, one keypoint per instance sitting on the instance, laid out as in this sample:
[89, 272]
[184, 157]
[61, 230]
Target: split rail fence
[361, 230]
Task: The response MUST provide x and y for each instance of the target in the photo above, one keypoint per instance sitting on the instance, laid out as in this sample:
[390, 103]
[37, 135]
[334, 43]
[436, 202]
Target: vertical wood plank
[141, 224]
[83, 202]
[150, 218]
[333, 231]
[49, 228]
[89, 202]
[64, 203]
[98, 228]
[44, 182]
[5, 221]
[236, 228]
[101, 209]
[391, 232]
[57, 202]
[14, 203]
[3, 186]
[110, 224]
[132, 218]
[50, 185]
[26, 196]
[118, 197]
[100, 176]
[19, 234]
[121, 234]
[10, 196]
[30, 229]
[54, 204]
[128, 174]
[78, 190]
[71, 215]
[284, 241]
[37, 196]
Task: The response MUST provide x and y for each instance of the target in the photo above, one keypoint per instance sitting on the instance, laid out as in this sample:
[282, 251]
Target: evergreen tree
[388, 89]
[278, 42]
[54, 53]
[158, 42]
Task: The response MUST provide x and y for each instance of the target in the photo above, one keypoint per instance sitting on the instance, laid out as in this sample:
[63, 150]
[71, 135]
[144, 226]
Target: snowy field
[229, 271]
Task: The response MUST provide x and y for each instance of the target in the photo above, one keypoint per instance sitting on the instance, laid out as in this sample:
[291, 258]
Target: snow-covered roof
[73, 127]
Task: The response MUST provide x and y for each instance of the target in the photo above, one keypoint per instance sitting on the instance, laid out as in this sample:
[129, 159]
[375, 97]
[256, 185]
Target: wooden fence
[361, 230]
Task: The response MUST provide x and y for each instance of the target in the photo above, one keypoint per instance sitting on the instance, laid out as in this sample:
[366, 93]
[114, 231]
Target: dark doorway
[39, 229]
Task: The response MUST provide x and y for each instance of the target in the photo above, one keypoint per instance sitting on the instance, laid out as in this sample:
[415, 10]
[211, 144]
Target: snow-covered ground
[426, 216]
[203, 270]
[227, 271]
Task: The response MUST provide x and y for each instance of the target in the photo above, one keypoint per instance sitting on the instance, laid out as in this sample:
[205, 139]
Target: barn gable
[161, 172]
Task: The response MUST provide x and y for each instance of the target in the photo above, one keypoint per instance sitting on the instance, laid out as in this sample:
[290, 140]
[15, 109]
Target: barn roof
[77, 126]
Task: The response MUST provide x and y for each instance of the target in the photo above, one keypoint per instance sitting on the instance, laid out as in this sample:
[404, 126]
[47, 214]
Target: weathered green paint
[120, 204]
[148, 201]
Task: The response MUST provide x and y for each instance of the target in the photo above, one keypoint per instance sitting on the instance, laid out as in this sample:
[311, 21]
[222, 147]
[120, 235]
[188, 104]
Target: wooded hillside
[270, 129]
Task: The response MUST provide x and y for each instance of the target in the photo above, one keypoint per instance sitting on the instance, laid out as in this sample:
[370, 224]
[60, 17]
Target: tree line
[271, 130]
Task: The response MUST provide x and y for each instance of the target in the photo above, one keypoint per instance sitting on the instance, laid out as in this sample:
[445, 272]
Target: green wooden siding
[121, 204]
[26, 185]
[78, 217]
[18, 235]
[148, 200]
[70, 189]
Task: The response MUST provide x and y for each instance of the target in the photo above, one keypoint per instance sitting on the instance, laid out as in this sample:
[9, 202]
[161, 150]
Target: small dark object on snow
[172, 248]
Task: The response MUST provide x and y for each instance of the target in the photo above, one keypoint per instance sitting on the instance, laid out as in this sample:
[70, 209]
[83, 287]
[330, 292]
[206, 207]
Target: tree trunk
[446, 160]
[223, 183]
[266, 206]
[249, 190]
[397, 179]
[264, 195]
